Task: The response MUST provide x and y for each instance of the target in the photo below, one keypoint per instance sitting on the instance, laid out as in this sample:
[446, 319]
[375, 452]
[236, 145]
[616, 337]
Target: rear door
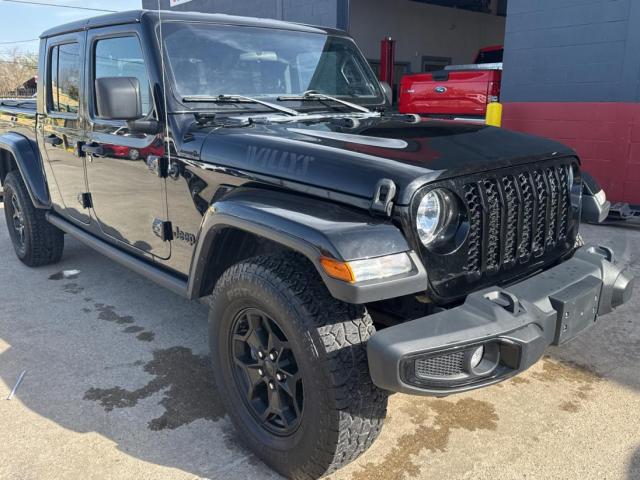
[128, 199]
[61, 127]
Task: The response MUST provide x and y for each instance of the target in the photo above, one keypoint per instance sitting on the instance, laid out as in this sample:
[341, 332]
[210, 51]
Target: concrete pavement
[118, 386]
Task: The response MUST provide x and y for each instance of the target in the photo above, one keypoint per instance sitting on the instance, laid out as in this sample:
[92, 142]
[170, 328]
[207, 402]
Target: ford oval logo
[440, 89]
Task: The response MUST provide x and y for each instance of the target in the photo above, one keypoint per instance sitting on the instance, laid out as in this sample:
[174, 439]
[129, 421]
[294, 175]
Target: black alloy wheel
[17, 221]
[266, 372]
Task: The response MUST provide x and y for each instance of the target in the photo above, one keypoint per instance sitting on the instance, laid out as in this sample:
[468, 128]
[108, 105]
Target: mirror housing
[118, 98]
[148, 127]
[388, 92]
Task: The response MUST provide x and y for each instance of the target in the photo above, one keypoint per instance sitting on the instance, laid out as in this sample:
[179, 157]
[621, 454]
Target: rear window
[64, 75]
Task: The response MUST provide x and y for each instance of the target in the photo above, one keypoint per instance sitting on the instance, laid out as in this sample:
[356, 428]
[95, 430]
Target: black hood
[351, 157]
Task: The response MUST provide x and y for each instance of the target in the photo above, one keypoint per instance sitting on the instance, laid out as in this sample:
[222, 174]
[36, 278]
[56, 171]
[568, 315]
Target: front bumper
[511, 326]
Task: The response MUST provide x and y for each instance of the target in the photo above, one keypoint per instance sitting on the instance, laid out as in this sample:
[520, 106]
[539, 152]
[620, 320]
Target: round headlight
[435, 212]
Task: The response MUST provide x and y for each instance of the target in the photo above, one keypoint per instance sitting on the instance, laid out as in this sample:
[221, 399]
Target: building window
[483, 6]
[432, 64]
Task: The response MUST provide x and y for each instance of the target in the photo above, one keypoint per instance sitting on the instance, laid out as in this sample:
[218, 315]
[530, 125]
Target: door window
[122, 57]
[64, 78]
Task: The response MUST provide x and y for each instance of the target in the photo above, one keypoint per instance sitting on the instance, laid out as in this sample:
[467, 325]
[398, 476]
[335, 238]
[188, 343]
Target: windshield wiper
[239, 99]
[314, 95]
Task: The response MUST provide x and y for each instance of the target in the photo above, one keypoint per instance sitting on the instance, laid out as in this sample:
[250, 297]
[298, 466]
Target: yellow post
[494, 114]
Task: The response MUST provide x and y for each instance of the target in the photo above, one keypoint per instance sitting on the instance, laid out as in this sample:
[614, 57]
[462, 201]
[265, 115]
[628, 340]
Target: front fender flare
[314, 229]
[30, 166]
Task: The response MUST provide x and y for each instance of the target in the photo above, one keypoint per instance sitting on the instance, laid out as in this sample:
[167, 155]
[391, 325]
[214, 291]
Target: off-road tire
[343, 411]
[42, 242]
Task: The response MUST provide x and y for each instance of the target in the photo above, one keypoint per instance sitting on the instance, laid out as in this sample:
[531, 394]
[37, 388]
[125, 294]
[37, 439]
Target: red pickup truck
[458, 91]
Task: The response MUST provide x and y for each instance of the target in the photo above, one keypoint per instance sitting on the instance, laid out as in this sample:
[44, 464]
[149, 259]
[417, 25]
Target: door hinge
[162, 229]
[85, 200]
[382, 202]
[158, 165]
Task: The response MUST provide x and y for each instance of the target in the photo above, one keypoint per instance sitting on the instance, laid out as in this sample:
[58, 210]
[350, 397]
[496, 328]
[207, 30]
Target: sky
[25, 22]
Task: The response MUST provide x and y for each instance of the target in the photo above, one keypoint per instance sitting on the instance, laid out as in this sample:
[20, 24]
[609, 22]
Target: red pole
[387, 60]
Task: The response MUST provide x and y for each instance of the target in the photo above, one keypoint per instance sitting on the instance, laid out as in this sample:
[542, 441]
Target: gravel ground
[118, 386]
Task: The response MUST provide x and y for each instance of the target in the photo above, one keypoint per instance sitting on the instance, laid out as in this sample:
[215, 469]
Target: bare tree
[16, 68]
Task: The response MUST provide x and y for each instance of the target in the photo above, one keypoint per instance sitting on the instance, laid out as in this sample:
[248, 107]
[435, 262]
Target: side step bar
[141, 267]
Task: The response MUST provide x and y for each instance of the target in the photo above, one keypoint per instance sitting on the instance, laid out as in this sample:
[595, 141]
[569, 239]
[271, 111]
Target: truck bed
[18, 115]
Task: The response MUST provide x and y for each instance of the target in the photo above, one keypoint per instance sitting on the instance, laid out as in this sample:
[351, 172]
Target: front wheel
[35, 241]
[291, 366]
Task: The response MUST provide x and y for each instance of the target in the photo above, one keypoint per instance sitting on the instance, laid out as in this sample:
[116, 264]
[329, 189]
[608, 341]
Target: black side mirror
[118, 98]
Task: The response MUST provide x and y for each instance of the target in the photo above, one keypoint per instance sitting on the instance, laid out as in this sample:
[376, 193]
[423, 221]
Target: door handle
[92, 149]
[53, 140]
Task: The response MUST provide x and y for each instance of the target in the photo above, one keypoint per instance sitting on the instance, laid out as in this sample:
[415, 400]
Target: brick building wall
[572, 73]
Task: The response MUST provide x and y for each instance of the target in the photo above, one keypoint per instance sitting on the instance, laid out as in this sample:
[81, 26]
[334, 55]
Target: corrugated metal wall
[572, 72]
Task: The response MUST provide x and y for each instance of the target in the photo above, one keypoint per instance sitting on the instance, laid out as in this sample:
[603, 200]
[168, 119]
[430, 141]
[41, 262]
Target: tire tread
[356, 406]
[45, 242]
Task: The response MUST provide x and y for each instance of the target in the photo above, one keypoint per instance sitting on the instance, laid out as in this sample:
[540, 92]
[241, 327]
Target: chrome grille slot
[524, 247]
[540, 212]
[563, 211]
[512, 205]
[553, 209]
[494, 225]
[474, 255]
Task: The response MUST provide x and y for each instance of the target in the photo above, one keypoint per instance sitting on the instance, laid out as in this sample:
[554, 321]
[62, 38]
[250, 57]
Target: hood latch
[382, 202]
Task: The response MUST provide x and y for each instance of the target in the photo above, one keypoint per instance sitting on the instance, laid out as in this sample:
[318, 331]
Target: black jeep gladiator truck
[349, 252]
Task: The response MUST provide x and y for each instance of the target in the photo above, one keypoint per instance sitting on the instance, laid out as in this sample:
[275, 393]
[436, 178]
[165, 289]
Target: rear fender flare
[29, 163]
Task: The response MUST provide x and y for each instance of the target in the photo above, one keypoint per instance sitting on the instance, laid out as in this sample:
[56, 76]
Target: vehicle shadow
[107, 351]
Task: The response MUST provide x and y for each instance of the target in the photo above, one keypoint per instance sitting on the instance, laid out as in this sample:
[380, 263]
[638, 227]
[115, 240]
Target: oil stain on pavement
[73, 288]
[107, 313]
[434, 420]
[186, 381]
[580, 380]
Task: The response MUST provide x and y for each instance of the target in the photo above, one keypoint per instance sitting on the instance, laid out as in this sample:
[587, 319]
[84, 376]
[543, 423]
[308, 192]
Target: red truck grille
[515, 218]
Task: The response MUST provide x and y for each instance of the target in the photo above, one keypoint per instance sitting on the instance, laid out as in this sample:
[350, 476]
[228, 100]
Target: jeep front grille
[515, 217]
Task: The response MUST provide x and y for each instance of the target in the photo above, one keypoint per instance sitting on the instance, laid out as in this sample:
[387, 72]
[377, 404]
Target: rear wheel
[35, 241]
[290, 362]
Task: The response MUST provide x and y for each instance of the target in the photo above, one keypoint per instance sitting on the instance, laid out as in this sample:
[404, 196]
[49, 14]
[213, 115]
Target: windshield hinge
[382, 202]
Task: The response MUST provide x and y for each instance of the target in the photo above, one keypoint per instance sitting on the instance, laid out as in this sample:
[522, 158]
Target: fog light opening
[482, 360]
[476, 356]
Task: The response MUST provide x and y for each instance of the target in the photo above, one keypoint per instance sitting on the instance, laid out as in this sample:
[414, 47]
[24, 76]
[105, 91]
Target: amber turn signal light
[337, 269]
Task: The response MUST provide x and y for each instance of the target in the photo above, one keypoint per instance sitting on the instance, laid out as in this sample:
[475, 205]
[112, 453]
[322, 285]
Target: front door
[60, 126]
[128, 198]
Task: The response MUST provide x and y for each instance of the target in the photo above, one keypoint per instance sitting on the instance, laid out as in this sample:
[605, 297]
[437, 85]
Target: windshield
[211, 60]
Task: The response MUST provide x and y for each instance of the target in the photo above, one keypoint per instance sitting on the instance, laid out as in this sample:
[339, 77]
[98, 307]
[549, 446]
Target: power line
[20, 41]
[43, 4]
